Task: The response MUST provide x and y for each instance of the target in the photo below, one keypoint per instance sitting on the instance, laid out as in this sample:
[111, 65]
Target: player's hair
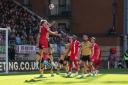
[75, 37]
[42, 22]
[93, 38]
[85, 35]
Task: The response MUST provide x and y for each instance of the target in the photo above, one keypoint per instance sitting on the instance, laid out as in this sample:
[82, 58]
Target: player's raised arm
[48, 25]
[38, 36]
[37, 39]
[53, 33]
[51, 24]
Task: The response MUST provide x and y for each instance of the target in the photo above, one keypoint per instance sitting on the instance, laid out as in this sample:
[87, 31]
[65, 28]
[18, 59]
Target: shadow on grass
[84, 80]
[32, 80]
[114, 71]
[116, 82]
[36, 79]
[102, 71]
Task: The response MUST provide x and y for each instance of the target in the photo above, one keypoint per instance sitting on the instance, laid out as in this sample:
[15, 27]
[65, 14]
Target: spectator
[23, 39]
[112, 58]
[12, 38]
[126, 58]
[18, 40]
[1, 38]
[11, 53]
[20, 20]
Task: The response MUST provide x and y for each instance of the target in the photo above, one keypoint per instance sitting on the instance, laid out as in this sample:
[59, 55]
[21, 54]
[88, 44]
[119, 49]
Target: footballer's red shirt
[74, 49]
[95, 50]
[43, 36]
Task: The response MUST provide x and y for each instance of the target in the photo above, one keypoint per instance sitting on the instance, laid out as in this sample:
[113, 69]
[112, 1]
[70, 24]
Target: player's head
[85, 37]
[43, 22]
[93, 39]
[70, 38]
[74, 37]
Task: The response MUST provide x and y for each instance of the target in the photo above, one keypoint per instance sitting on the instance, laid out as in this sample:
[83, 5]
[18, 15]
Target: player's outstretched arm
[51, 24]
[53, 33]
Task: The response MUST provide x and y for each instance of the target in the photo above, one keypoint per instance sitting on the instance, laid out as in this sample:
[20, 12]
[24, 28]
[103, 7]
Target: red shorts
[94, 57]
[43, 45]
[96, 61]
[73, 58]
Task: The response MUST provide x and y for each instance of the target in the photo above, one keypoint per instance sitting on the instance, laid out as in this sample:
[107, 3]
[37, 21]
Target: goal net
[4, 50]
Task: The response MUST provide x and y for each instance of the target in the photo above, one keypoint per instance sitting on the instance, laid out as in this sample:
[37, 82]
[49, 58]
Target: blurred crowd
[23, 24]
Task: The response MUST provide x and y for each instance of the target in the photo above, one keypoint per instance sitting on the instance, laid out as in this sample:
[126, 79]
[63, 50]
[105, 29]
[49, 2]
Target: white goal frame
[6, 47]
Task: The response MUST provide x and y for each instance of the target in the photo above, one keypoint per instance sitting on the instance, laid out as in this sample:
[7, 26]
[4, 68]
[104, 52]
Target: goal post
[4, 45]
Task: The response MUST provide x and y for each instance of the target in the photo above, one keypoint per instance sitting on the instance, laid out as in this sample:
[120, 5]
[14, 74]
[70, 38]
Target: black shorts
[66, 58]
[61, 61]
[86, 58]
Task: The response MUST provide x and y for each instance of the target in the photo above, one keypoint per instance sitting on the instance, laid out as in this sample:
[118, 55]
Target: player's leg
[82, 66]
[46, 64]
[51, 71]
[76, 66]
[82, 69]
[65, 65]
[59, 66]
[39, 55]
[52, 61]
[61, 61]
[70, 67]
[66, 60]
[51, 66]
[96, 63]
[49, 61]
[38, 58]
[90, 66]
[43, 52]
[85, 65]
[42, 68]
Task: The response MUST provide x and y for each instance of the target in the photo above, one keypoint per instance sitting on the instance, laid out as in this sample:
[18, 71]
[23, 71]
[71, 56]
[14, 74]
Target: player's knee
[70, 62]
[82, 65]
[38, 54]
[58, 67]
[65, 64]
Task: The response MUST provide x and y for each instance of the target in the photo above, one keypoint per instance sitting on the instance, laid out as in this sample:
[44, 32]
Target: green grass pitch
[106, 77]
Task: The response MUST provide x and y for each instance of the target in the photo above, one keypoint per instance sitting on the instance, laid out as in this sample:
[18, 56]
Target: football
[51, 6]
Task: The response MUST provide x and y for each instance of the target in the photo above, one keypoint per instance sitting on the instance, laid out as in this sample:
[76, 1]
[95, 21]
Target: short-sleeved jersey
[74, 49]
[43, 36]
[95, 50]
[86, 48]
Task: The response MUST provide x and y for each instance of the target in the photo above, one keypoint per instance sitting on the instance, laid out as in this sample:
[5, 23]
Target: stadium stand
[23, 24]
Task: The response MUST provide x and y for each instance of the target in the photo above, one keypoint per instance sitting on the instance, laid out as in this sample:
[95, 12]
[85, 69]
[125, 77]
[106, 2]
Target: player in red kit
[42, 42]
[74, 52]
[96, 54]
[42, 38]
